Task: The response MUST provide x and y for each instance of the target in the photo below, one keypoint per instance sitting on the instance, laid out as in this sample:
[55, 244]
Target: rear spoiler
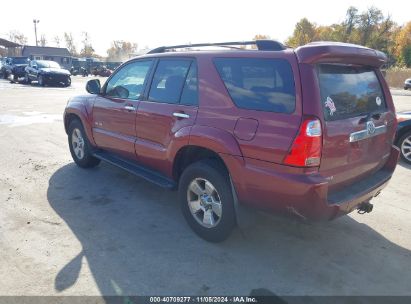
[337, 52]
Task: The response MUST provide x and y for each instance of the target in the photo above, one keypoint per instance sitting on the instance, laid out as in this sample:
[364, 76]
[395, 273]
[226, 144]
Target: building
[60, 55]
[9, 48]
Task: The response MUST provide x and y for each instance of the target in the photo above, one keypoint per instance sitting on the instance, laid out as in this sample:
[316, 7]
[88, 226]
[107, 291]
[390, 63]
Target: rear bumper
[305, 195]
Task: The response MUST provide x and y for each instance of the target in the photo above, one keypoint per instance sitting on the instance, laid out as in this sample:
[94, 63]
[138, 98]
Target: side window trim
[153, 62]
[193, 63]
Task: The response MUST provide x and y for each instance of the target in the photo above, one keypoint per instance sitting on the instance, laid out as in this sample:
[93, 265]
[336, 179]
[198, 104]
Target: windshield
[47, 64]
[349, 91]
[20, 61]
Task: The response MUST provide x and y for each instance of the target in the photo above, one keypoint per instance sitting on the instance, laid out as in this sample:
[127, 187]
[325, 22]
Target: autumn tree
[87, 50]
[120, 50]
[304, 32]
[70, 44]
[402, 45]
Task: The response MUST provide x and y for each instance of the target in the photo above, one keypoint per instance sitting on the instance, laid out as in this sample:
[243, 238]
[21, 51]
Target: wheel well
[68, 119]
[401, 134]
[191, 154]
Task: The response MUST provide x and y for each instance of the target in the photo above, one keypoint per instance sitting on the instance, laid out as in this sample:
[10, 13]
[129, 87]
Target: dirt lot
[68, 231]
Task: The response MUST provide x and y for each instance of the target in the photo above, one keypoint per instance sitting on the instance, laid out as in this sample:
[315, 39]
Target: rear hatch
[356, 112]
[357, 136]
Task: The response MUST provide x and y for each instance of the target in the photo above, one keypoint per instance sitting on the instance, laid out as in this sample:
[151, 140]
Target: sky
[161, 22]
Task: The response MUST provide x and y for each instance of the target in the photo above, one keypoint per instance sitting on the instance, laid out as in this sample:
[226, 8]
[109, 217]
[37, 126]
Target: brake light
[306, 148]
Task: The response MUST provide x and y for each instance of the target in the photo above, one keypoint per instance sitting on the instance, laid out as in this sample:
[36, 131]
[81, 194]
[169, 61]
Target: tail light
[306, 148]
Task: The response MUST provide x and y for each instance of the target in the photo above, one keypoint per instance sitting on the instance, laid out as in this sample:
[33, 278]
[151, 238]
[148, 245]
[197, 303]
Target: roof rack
[262, 45]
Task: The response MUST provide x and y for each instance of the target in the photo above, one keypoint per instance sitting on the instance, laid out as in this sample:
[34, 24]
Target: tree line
[369, 28]
[119, 50]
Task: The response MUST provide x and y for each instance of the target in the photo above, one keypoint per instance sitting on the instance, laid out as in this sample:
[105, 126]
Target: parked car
[407, 84]
[102, 71]
[305, 132]
[14, 67]
[403, 138]
[47, 72]
[2, 66]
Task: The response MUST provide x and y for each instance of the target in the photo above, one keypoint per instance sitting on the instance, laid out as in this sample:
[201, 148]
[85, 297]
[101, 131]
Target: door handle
[181, 115]
[130, 108]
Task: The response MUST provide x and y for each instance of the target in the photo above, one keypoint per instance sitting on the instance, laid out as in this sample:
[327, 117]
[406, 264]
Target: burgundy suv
[307, 132]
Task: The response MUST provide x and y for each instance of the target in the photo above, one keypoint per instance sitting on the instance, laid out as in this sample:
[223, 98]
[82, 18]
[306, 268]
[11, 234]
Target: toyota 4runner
[306, 131]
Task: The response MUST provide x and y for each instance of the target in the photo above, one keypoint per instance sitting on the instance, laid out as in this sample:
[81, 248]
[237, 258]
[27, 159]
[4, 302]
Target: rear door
[358, 127]
[171, 104]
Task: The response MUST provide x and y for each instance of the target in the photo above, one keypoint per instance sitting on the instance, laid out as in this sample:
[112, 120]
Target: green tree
[304, 32]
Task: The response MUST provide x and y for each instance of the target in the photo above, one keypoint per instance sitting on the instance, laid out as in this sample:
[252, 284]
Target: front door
[114, 112]
[171, 105]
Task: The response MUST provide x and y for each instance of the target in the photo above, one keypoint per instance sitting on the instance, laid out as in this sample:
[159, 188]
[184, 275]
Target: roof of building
[8, 44]
[45, 51]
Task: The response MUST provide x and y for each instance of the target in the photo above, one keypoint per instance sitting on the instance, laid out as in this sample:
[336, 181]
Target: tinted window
[168, 80]
[128, 82]
[348, 91]
[190, 90]
[259, 84]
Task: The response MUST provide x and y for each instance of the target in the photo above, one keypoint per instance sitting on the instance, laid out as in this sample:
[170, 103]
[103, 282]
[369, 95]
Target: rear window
[349, 91]
[258, 84]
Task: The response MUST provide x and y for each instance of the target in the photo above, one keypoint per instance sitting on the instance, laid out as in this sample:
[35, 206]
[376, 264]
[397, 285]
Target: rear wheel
[405, 146]
[80, 147]
[207, 201]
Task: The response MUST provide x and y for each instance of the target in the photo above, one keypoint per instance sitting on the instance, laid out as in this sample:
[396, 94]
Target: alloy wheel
[204, 202]
[77, 142]
[406, 148]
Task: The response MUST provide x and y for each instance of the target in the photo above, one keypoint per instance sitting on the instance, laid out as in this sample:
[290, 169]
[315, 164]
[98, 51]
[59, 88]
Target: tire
[40, 80]
[68, 82]
[405, 147]
[27, 79]
[218, 226]
[76, 136]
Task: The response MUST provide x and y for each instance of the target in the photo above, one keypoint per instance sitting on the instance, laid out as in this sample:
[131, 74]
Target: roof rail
[262, 45]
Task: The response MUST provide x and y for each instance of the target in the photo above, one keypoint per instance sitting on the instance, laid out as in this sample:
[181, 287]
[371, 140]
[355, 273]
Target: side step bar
[138, 170]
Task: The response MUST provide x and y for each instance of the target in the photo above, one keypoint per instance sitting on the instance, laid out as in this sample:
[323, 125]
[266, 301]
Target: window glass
[128, 82]
[259, 84]
[349, 91]
[190, 90]
[168, 80]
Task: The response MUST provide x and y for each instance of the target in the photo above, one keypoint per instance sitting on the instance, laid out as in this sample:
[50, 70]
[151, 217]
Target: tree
[17, 37]
[87, 50]
[57, 41]
[120, 50]
[304, 32]
[43, 41]
[402, 45]
[70, 44]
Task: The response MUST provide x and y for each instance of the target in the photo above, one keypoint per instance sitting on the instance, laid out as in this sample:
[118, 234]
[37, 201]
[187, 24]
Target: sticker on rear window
[378, 101]
[330, 105]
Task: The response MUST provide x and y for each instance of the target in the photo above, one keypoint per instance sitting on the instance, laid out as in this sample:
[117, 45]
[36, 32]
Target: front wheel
[80, 147]
[41, 81]
[405, 146]
[68, 82]
[207, 201]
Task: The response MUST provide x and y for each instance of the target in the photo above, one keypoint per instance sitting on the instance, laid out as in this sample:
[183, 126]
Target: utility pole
[35, 21]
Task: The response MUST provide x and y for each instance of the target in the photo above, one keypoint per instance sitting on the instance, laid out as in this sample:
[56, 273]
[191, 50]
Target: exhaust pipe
[365, 207]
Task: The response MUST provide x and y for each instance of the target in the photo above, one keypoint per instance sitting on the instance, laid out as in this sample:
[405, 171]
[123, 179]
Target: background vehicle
[305, 132]
[407, 84]
[102, 71]
[15, 67]
[46, 72]
[403, 137]
[2, 67]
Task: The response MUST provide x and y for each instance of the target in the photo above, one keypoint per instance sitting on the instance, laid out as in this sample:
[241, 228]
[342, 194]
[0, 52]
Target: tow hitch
[365, 207]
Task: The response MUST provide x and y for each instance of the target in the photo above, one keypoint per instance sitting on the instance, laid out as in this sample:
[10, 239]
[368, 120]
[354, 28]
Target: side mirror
[93, 86]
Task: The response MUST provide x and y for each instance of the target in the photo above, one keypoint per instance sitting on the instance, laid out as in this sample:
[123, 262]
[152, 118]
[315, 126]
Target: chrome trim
[360, 135]
[130, 108]
[181, 115]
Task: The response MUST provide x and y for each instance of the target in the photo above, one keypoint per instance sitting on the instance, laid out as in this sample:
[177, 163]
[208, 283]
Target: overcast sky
[162, 22]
